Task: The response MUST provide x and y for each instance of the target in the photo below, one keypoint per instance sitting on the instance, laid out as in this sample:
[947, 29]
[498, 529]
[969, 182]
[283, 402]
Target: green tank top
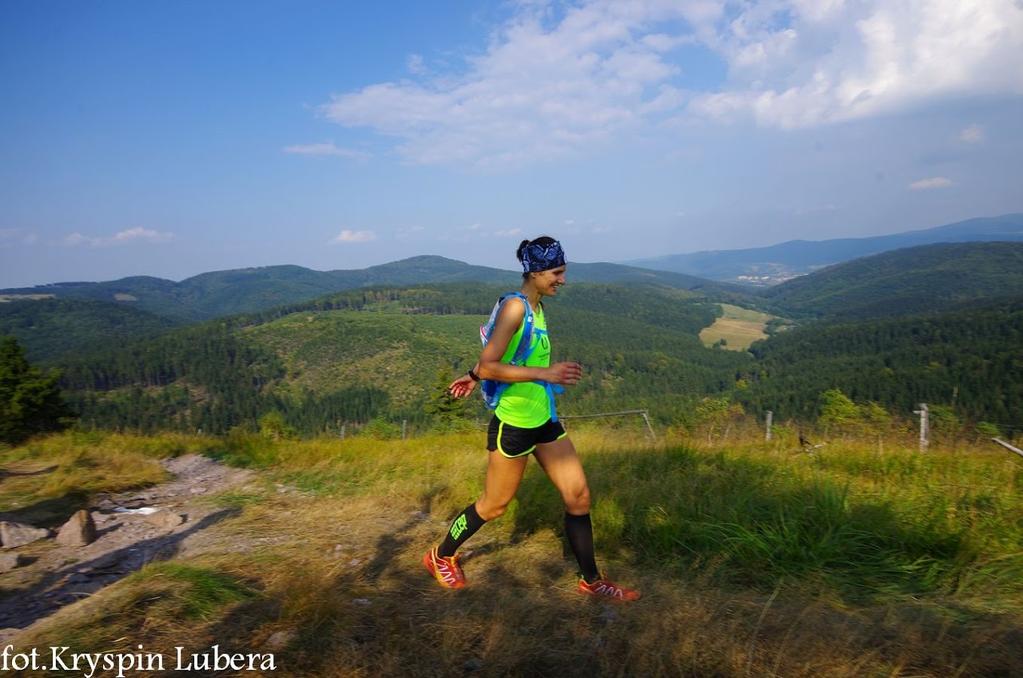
[524, 404]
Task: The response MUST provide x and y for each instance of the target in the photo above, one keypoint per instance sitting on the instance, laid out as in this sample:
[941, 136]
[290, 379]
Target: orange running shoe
[602, 588]
[446, 571]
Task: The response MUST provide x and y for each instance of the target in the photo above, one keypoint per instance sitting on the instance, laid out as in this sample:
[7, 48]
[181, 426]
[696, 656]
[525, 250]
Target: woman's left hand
[462, 386]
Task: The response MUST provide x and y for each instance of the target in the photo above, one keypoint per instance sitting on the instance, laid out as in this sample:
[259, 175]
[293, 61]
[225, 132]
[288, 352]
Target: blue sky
[170, 139]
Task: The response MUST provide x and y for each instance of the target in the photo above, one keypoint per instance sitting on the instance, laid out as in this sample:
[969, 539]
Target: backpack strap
[523, 350]
[525, 347]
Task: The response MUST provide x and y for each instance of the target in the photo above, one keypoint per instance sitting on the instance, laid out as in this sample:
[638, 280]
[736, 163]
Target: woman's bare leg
[561, 463]
[503, 478]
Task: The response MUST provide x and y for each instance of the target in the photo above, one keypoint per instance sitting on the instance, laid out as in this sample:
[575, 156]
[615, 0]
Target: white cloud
[508, 233]
[555, 82]
[809, 62]
[348, 236]
[662, 42]
[932, 182]
[974, 134]
[538, 92]
[326, 149]
[137, 234]
[76, 238]
[10, 237]
[415, 64]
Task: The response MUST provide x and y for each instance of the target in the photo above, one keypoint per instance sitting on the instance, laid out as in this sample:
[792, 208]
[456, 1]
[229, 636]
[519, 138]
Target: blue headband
[542, 257]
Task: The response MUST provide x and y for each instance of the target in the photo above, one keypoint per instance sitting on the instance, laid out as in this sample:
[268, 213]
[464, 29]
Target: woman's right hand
[567, 373]
[462, 386]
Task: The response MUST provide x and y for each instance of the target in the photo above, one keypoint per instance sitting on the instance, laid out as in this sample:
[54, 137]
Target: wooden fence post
[924, 427]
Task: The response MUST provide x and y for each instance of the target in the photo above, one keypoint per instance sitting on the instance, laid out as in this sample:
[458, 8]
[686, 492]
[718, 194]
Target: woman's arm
[491, 367]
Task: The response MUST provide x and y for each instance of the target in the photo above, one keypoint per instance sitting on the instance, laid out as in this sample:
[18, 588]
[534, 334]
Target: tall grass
[754, 559]
[858, 523]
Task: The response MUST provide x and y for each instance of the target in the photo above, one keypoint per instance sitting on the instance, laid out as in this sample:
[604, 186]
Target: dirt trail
[57, 575]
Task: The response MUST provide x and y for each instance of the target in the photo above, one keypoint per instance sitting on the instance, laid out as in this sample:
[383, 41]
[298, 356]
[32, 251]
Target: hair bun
[522, 246]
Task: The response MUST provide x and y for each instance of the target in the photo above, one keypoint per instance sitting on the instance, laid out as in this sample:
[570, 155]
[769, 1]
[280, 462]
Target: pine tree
[30, 401]
[441, 405]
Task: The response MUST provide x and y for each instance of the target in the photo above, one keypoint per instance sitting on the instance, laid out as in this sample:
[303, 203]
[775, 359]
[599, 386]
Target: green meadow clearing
[754, 558]
[738, 327]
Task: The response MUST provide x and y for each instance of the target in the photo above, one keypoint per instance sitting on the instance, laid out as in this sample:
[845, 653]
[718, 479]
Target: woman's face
[547, 282]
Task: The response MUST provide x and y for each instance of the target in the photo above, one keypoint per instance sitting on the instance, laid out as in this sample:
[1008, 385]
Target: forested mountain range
[221, 293]
[390, 352]
[83, 313]
[939, 323]
[907, 281]
[770, 265]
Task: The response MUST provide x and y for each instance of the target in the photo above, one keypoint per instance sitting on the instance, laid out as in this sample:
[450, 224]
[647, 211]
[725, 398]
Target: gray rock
[165, 520]
[9, 561]
[14, 535]
[279, 641]
[80, 530]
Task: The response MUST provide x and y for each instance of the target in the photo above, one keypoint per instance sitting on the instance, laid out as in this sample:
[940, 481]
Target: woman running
[524, 424]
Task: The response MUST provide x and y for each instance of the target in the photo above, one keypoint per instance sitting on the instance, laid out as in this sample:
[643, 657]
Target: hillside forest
[381, 356]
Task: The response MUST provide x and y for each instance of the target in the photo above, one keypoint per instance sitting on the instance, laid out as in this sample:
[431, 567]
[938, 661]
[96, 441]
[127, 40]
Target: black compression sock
[579, 531]
[463, 527]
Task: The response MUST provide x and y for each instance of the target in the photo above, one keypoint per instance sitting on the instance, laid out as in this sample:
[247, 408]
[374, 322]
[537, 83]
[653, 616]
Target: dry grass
[335, 564]
[739, 327]
[47, 479]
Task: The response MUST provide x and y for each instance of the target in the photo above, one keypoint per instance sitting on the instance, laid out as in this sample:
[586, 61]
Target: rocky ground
[125, 531]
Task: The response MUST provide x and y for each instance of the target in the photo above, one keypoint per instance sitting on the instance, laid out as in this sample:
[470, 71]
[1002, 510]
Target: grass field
[753, 559]
[739, 327]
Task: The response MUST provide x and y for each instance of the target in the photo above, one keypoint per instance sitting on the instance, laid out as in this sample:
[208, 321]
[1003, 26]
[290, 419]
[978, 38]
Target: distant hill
[771, 265]
[221, 293]
[907, 281]
[49, 329]
[388, 352]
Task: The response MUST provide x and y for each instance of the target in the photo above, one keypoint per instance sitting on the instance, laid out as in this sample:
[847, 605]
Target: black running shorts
[512, 441]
